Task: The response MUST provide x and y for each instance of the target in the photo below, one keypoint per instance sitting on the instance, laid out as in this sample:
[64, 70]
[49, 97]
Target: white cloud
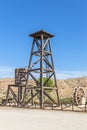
[70, 74]
[6, 72]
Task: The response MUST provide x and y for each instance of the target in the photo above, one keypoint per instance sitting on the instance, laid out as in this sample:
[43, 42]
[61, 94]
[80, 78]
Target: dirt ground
[31, 119]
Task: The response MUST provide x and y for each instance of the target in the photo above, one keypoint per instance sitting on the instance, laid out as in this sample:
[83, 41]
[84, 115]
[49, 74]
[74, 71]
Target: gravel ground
[27, 119]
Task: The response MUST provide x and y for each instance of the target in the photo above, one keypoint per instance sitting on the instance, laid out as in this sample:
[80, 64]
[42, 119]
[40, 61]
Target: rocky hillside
[65, 87]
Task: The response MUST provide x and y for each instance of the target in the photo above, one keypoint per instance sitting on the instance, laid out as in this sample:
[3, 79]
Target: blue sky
[67, 19]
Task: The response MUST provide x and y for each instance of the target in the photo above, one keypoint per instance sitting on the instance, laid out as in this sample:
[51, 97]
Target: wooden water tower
[41, 66]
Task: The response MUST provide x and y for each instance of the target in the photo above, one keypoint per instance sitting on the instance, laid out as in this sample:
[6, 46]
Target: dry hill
[65, 87]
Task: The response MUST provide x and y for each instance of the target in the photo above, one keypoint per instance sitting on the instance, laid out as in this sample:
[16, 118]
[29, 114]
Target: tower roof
[41, 32]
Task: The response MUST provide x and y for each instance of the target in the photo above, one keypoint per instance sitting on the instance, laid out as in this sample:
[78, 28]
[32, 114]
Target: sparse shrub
[67, 100]
[50, 82]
